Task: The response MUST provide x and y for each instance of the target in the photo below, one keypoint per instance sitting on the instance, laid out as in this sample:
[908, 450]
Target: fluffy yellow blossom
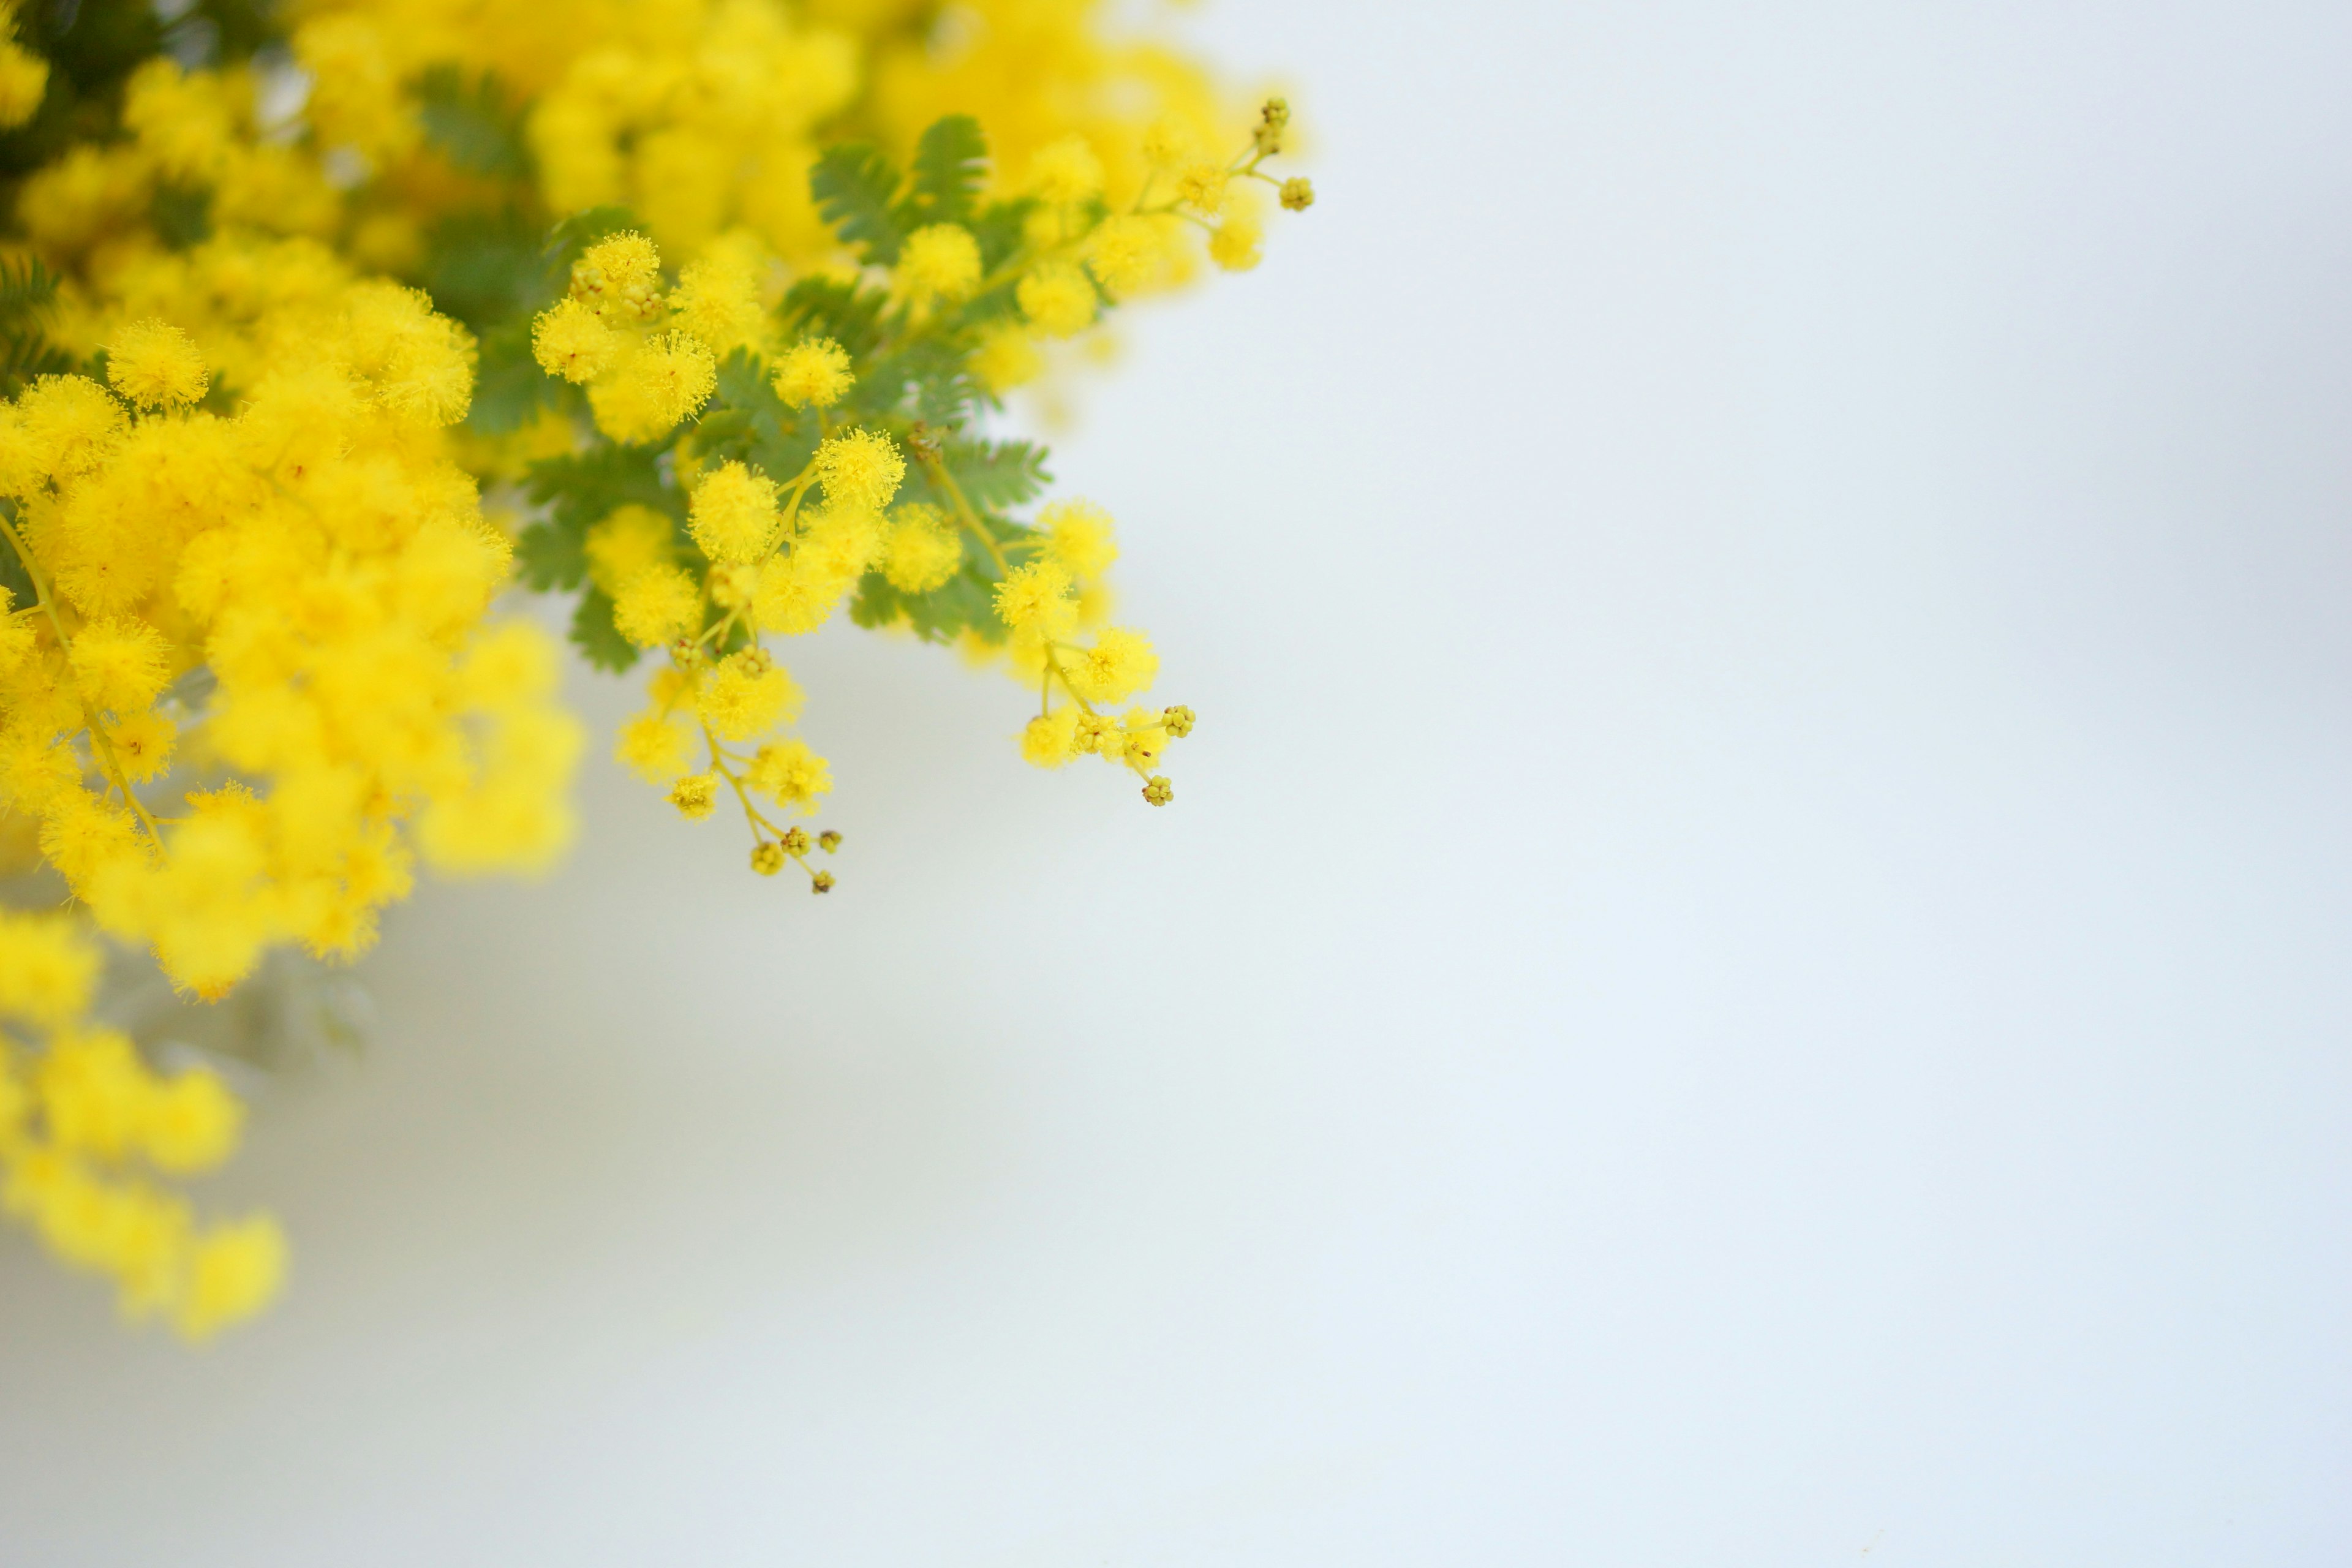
[1036, 598]
[571, 340]
[46, 968]
[625, 542]
[1051, 739]
[652, 387]
[1007, 357]
[1126, 253]
[1235, 245]
[733, 515]
[790, 775]
[745, 694]
[659, 603]
[1201, 186]
[695, 796]
[655, 746]
[813, 373]
[1057, 299]
[921, 550]
[799, 591]
[1078, 536]
[718, 303]
[83, 1118]
[121, 665]
[154, 364]
[1119, 664]
[860, 468]
[24, 79]
[939, 262]
[620, 277]
[1065, 171]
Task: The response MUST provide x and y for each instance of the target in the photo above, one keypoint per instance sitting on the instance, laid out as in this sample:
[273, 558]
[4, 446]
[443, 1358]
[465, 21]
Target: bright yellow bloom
[860, 468]
[658, 604]
[155, 366]
[813, 373]
[24, 80]
[734, 514]
[1057, 299]
[1036, 598]
[921, 550]
[1065, 171]
[745, 694]
[1119, 664]
[625, 542]
[571, 340]
[789, 774]
[939, 262]
[46, 968]
[1079, 535]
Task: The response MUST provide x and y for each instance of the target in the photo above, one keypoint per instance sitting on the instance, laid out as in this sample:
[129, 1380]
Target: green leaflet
[29, 291]
[996, 474]
[594, 634]
[951, 162]
[856, 188]
[580, 489]
[848, 314]
[469, 121]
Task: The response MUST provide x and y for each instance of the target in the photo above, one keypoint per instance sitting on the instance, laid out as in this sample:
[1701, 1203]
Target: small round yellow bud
[828, 841]
[820, 883]
[1298, 195]
[767, 859]
[1158, 791]
[796, 841]
[1178, 721]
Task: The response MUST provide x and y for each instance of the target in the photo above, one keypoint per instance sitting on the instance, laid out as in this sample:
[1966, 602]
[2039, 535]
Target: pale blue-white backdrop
[1749, 966]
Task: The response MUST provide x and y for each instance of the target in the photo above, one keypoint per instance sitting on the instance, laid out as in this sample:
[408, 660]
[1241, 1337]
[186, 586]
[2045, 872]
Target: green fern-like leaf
[951, 160]
[856, 189]
[469, 121]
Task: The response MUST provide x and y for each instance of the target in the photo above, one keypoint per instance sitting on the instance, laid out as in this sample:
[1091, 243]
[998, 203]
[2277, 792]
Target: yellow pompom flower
[1079, 535]
[813, 373]
[46, 968]
[1119, 664]
[1235, 246]
[190, 1123]
[653, 386]
[23, 80]
[1036, 598]
[1007, 357]
[121, 665]
[733, 515]
[660, 603]
[154, 364]
[695, 796]
[747, 692]
[625, 542]
[718, 303]
[1057, 299]
[236, 1271]
[654, 747]
[790, 773]
[860, 468]
[1051, 739]
[142, 744]
[571, 340]
[1201, 186]
[620, 277]
[921, 550]
[940, 261]
[1065, 173]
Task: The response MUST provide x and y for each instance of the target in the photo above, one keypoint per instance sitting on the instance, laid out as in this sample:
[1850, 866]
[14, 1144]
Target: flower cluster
[81, 1117]
[320, 559]
[320, 325]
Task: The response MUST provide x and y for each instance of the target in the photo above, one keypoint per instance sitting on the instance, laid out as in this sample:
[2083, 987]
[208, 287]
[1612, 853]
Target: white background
[1748, 967]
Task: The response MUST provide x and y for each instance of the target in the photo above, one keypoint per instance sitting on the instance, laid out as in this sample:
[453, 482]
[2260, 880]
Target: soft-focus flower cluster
[287, 290]
[86, 1127]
